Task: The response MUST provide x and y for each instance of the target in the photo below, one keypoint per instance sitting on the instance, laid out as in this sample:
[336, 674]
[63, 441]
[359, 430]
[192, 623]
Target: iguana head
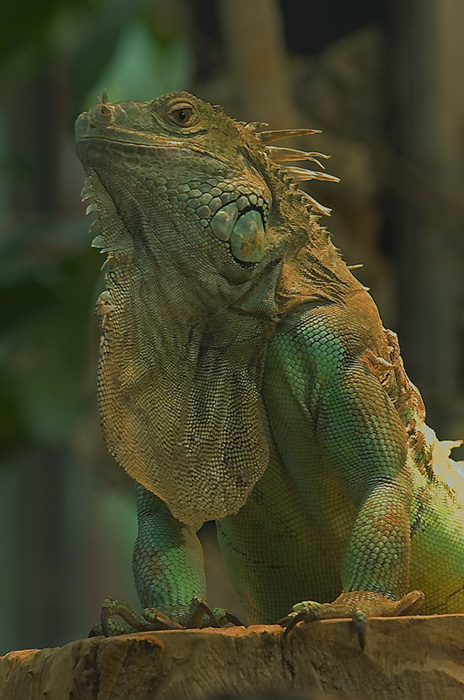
[198, 221]
[183, 181]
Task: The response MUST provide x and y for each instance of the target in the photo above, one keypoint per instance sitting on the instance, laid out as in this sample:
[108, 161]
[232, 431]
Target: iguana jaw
[218, 205]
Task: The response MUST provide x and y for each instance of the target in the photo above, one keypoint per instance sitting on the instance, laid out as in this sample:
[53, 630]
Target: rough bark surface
[407, 658]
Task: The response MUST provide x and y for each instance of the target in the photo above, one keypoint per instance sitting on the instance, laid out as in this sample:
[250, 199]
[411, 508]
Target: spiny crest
[103, 99]
[283, 155]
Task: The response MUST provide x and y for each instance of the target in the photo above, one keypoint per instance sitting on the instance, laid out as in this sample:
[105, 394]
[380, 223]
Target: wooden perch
[408, 658]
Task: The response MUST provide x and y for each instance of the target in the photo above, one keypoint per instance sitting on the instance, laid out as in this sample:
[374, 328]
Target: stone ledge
[408, 658]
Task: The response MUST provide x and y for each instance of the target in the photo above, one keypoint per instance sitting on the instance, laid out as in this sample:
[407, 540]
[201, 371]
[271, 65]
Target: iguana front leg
[169, 576]
[363, 445]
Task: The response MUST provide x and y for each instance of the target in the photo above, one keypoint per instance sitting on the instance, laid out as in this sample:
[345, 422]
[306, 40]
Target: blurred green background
[382, 80]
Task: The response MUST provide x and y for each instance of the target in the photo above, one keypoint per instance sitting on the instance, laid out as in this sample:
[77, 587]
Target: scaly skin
[245, 376]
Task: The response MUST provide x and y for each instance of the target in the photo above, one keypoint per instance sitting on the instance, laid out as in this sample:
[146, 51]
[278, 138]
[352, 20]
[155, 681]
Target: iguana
[245, 376]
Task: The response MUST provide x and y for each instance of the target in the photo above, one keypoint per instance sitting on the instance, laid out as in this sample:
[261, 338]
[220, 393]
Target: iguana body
[245, 376]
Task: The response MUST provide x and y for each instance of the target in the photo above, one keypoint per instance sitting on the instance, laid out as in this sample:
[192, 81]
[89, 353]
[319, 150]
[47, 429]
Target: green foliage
[142, 67]
[106, 43]
[46, 284]
[47, 269]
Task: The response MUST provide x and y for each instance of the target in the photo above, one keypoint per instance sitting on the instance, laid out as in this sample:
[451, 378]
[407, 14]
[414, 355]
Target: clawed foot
[357, 605]
[201, 615]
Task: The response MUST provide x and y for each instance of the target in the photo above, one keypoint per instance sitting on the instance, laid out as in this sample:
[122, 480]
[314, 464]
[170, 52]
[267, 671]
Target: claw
[234, 620]
[357, 605]
[115, 606]
[204, 608]
[104, 616]
[160, 621]
[216, 615]
[360, 621]
[153, 620]
[294, 620]
[410, 602]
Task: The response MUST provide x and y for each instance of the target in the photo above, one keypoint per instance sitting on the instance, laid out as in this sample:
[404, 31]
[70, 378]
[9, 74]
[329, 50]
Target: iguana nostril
[105, 111]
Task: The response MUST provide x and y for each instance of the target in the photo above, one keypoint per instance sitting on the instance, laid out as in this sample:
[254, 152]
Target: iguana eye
[182, 115]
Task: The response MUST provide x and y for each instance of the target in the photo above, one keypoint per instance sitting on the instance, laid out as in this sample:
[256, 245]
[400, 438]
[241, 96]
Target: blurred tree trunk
[254, 38]
[428, 91]
[35, 490]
